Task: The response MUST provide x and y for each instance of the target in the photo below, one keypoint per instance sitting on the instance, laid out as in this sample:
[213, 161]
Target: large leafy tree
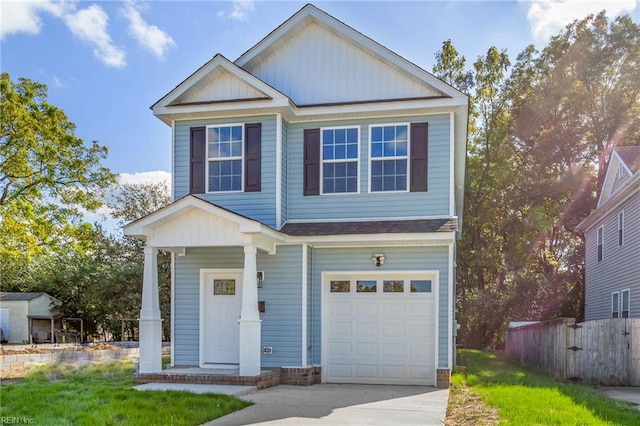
[539, 138]
[47, 176]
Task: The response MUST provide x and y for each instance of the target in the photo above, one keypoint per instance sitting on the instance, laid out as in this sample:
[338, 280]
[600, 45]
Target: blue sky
[106, 63]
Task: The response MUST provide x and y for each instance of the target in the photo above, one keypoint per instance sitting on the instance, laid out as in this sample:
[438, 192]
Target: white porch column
[249, 317]
[150, 320]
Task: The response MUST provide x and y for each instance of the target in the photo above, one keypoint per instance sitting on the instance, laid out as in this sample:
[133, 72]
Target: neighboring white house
[27, 316]
[612, 241]
[322, 175]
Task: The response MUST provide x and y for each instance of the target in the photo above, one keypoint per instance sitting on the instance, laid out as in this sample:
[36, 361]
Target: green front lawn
[103, 394]
[524, 397]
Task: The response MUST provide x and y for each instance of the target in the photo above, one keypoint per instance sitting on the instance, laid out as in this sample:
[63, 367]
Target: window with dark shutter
[419, 156]
[197, 153]
[311, 162]
[252, 157]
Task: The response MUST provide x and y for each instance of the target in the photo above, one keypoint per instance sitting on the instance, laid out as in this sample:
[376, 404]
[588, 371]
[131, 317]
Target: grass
[524, 397]
[102, 394]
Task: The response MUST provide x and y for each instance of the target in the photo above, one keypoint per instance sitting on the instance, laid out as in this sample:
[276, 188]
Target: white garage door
[379, 328]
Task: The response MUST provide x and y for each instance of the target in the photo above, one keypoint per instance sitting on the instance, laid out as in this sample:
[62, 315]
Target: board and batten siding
[261, 205]
[340, 71]
[281, 292]
[433, 258]
[434, 202]
[619, 268]
[18, 322]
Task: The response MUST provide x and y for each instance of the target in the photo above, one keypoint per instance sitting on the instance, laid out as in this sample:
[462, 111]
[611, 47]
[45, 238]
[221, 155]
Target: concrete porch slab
[233, 390]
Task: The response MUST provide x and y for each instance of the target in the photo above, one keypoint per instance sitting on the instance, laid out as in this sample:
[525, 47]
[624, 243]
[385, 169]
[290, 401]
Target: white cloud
[148, 36]
[159, 176]
[90, 25]
[24, 16]
[548, 17]
[240, 12]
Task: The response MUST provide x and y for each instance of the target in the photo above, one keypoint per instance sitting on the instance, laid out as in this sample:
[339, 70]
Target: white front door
[221, 310]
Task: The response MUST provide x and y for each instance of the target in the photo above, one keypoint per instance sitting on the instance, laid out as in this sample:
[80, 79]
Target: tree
[47, 175]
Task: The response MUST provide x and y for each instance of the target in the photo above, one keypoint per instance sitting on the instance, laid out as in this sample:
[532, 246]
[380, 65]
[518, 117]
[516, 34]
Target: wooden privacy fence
[604, 352]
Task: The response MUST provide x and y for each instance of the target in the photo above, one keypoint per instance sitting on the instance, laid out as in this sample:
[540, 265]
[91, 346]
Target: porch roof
[371, 227]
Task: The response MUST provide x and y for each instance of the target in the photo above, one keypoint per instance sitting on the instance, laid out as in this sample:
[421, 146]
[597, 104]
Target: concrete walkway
[628, 394]
[331, 404]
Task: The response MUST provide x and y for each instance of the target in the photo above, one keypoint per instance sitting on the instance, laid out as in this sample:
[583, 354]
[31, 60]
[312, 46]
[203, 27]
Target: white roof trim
[611, 203]
[626, 168]
[143, 227]
[311, 13]
[215, 63]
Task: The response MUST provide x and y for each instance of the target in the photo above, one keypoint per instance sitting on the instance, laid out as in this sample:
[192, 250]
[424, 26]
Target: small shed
[28, 317]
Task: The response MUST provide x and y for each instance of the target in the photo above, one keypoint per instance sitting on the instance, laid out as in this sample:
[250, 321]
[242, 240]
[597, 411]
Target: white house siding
[40, 306]
[339, 71]
[281, 292]
[18, 322]
[434, 258]
[620, 267]
[434, 202]
[225, 87]
[261, 205]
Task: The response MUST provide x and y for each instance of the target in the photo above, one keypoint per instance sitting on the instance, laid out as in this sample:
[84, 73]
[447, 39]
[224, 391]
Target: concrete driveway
[331, 404]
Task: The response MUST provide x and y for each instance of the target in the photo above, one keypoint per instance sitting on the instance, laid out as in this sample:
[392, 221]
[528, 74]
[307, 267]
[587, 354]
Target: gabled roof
[310, 14]
[630, 156]
[21, 297]
[218, 81]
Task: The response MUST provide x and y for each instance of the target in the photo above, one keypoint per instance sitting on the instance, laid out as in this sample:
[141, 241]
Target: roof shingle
[370, 227]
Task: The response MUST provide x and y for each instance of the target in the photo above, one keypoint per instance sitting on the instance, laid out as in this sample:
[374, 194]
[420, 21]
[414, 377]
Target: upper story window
[340, 160]
[224, 158]
[389, 149]
[600, 243]
[620, 228]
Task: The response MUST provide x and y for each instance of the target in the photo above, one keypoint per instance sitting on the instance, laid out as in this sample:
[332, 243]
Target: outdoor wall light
[260, 278]
[378, 259]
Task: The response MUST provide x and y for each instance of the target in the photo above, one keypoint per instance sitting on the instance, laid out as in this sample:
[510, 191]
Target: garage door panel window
[420, 286]
[367, 286]
[340, 286]
[393, 286]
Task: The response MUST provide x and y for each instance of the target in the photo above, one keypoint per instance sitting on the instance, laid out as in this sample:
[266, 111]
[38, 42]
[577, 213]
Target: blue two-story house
[318, 187]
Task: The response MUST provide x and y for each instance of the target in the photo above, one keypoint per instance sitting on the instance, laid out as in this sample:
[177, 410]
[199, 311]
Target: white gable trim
[216, 226]
[310, 13]
[216, 64]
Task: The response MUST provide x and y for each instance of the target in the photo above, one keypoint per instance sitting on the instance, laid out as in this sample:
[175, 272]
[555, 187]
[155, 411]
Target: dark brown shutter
[312, 162]
[197, 163]
[252, 157]
[419, 156]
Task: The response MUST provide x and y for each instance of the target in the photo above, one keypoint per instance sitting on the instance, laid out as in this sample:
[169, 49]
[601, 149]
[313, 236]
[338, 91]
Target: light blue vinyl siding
[619, 268]
[285, 170]
[282, 293]
[435, 202]
[256, 205]
[398, 259]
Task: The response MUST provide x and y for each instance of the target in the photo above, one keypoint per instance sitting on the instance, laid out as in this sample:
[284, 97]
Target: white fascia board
[608, 173]
[221, 109]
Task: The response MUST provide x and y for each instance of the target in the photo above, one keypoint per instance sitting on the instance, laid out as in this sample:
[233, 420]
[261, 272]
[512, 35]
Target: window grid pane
[340, 286]
[225, 175]
[389, 175]
[393, 286]
[366, 286]
[225, 146]
[338, 175]
[389, 147]
[420, 286]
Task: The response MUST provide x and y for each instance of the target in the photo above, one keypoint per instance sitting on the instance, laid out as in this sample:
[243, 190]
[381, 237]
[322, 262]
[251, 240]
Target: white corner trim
[452, 186]
[172, 180]
[304, 281]
[450, 347]
[278, 170]
[173, 309]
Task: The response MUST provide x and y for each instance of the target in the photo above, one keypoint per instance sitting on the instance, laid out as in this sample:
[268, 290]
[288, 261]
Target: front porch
[266, 379]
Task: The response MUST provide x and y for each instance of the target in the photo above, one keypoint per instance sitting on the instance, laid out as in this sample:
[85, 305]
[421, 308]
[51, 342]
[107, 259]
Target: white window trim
[350, 160]
[600, 242]
[621, 228]
[614, 293]
[407, 157]
[628, 291]
[209, 160]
